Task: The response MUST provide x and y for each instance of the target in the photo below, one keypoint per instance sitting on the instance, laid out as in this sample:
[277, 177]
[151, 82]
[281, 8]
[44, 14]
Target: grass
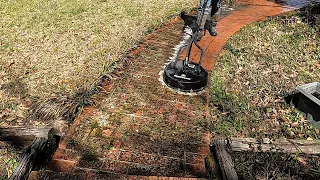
[8, 162]
[276, 165]
[56, 48]
[258, 67]
[53, 54]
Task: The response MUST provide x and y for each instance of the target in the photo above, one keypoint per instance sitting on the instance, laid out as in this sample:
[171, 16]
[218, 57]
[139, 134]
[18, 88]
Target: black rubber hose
[195, 34]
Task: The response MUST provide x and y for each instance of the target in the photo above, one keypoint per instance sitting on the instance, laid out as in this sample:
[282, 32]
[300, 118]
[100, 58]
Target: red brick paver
[142, 128]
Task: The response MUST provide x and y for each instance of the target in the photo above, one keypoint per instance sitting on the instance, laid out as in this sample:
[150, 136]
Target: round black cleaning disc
[185, 77]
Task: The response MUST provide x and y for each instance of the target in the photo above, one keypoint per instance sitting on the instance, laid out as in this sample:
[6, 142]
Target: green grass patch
[8, 162]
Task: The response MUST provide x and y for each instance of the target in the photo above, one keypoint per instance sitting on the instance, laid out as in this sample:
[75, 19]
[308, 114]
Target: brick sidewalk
[144, 128]
[140, 127]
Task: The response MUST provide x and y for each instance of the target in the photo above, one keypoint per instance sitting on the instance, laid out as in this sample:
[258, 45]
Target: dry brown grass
[276, 165]
[259, 66]
[54, 48]
[54, 53]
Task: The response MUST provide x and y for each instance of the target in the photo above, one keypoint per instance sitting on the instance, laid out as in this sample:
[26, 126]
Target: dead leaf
[139, 113]
[10, 119]
[295, 124]
[279, 101]
[302, 161]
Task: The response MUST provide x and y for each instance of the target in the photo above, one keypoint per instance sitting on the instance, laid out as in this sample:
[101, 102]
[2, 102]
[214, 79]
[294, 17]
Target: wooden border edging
[219, 164]
[12, 133]
[39, 152]
[280, 145]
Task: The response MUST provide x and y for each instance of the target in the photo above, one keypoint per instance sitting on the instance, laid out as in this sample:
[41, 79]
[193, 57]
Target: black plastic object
[185, 77]
[308, 106]
[309, 101]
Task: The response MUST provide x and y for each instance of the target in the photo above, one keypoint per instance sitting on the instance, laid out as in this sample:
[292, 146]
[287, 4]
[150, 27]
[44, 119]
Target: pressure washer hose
[205, 8]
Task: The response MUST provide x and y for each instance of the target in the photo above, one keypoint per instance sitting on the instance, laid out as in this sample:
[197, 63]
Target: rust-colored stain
[178, 111]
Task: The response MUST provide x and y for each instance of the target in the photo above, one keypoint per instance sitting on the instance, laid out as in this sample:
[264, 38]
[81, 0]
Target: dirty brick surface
[139, 126]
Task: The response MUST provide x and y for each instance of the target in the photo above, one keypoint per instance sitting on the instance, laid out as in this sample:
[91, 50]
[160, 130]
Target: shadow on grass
[16, 88]
[311, 15]
[276, 165]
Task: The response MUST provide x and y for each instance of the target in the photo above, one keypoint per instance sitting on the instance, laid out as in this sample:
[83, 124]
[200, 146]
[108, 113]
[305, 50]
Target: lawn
[53, 52]
[259, 66]
[55, 49]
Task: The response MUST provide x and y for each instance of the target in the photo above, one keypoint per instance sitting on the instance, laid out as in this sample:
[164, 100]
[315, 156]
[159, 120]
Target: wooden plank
[22, 133]
[223, 161]
[282, 145]
[17, 144]
[28, 160]
[37, 155]
[219, 164]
